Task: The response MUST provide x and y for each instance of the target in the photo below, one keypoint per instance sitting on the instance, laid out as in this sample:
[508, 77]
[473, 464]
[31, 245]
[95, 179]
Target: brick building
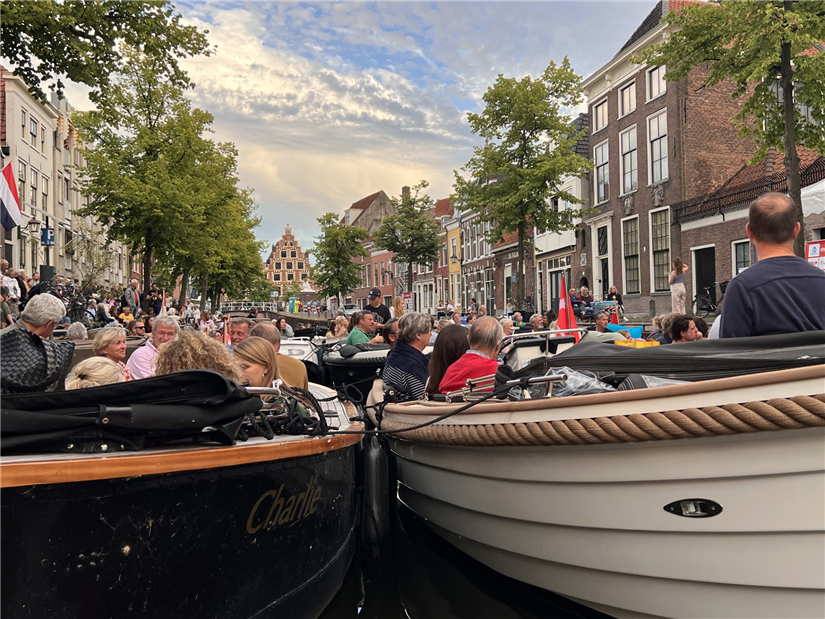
[653, 144]
[287, 262]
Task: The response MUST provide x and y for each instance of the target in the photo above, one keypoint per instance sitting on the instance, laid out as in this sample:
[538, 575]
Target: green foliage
[527, 155]
[80, 40]
[289, 290]
[412, 233]
[334, 273]
[90, 256]
[756, 45]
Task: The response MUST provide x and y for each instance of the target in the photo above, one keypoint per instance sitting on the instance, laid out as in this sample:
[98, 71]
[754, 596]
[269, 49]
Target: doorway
[704, 270]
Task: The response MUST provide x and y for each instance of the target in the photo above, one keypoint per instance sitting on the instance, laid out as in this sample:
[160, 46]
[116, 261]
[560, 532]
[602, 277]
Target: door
[704, 261]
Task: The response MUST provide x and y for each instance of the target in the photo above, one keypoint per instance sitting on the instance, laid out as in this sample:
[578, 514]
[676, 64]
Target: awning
[813, 198]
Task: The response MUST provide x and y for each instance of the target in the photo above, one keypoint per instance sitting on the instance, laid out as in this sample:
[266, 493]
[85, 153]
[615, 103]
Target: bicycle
[703, 303]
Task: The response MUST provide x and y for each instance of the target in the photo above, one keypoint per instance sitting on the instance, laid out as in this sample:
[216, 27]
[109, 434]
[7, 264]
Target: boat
[700, 497]
[140, 499]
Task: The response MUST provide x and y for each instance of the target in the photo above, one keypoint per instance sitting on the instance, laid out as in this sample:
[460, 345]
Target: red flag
[567, 319]
[614, 315]
[226, 337]
[11, 217]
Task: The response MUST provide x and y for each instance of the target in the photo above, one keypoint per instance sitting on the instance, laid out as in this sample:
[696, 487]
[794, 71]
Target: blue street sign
[47, 237]
[271, 293]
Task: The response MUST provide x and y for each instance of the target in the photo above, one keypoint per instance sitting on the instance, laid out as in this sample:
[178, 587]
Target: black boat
[138, 518]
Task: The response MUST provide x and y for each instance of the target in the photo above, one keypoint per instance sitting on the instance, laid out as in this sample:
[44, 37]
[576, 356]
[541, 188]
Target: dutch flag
[10, 216]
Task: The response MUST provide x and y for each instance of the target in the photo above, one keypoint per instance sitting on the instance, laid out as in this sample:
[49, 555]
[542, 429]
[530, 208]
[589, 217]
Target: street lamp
[34, 226]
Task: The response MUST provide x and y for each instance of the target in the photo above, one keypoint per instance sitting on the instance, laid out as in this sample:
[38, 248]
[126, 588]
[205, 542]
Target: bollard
[652, 309]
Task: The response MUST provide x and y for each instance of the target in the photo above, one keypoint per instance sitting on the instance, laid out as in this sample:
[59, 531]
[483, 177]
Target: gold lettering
[299, 504]
[270, 521]
[286, 515]
[315, 497]
[255, 529]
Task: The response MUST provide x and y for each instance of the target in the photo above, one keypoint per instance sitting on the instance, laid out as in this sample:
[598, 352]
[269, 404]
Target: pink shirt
[142, 362]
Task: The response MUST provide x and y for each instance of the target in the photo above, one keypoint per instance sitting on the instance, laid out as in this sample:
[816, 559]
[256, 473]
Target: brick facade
[287, 262]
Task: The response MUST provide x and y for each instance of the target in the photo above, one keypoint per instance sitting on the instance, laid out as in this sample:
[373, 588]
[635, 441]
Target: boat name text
[283, 508]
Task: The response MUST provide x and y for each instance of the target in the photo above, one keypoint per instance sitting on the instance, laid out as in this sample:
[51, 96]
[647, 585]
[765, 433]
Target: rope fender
[748, 417]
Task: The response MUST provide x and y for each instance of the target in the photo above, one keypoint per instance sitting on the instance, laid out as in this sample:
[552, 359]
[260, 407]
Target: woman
[449, 346]
[676, 279]
[397, 309]
[206, 324]
[586, 298]
[102, 314]
[93, 372]
[77, 332]
[550, 319]
[257, 362]
[218, 335]
[406, 370]
[111, 343]
[194, 350]
[338, 328]
[148, 322]
[284, 328]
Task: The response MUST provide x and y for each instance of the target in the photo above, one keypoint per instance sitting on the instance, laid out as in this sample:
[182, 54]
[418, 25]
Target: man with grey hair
[485, 341]
[406, 370]
[292, 371]
[132, 296]
[537, 322]
[41, 316]
[142, 362]
[506, 326]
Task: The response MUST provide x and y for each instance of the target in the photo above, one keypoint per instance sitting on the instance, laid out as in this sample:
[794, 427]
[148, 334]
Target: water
[421, 576]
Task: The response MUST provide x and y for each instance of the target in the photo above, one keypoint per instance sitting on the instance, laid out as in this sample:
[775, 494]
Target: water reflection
[423, 577]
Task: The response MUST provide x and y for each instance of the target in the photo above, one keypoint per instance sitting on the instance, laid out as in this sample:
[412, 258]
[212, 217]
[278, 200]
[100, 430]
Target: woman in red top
[480, 360]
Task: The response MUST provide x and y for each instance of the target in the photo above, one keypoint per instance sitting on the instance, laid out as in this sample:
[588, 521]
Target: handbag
[31, 364]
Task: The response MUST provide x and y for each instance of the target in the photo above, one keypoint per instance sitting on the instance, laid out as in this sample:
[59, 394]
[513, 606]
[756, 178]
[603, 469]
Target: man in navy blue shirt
[781, 293]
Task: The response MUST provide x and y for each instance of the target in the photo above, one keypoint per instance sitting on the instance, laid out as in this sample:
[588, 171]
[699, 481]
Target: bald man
[292, 371]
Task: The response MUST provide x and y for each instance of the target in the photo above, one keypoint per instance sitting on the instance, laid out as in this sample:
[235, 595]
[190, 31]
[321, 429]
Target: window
[300, 266]
[600, 116]
[42, 139]
[59, 188]
[67, 235]
[657, 147]
[278, 266]
[741, 256]
[290, 277]
[21, 246]
[24, 118]
[627, 99]
[45, 194]
[33, 132]
[292, 253]
[660, 240]
[277, 277]
[383, 274]
[303, 275]
[453, 249]
[67, 189]
[600, 156]
[33, 189]
[656, 85]
[21, 183]
[283, 254]
[288, 266]
[630, 237]
[601, 234]
[630, 175]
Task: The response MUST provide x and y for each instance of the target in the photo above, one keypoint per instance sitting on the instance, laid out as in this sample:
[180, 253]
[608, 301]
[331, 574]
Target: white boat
[704, 499]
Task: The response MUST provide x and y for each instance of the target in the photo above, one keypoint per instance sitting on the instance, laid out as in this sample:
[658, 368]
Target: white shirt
[142, 362]
[12, 285]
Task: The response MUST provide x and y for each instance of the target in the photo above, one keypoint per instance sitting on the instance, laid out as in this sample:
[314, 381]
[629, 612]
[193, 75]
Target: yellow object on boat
[636, 343]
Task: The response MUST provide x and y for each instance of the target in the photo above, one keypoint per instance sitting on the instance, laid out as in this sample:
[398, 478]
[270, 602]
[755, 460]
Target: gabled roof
[365, 202]
[511, 238]
[443, 207]
[653, 19]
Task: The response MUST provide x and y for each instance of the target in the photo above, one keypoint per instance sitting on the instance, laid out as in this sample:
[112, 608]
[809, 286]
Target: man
[155, 299]
[601, 323]
[142, 362]
[537, 323]
[6, 319]
[35, 364]
[41, 317]
[406, 370]
[781, 293]
[482, 311]
[137, 328]
[471, 318]
[239, 329]
[507, 326]
[10, 282]
[683, 329]
[364, 323]
[456, 318]
[485, 341]
[292, 371]
[390, 333]
[381, 313]
[132, 296]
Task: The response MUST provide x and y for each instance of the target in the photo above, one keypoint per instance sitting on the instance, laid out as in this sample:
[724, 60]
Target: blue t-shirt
[785, 294]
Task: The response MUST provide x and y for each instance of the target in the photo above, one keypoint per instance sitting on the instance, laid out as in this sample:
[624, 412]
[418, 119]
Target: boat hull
[589, 521]
[211, 542]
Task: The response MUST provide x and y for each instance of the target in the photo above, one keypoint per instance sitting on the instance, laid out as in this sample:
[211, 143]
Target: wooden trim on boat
[428, 408]
[66, 470]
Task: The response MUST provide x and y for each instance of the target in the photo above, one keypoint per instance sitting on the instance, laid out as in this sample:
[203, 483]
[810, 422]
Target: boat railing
[477, 388]
[547, 334]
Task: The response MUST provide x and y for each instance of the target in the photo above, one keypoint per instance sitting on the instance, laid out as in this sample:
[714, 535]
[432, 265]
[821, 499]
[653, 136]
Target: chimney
[405, 193]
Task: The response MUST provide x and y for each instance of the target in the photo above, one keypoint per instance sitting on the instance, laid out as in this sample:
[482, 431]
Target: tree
[90, 256]
[145, 155]
[81, 40]
[334, 273]
[772, 52]
[289, 290]
[526, 156]
[412, 233]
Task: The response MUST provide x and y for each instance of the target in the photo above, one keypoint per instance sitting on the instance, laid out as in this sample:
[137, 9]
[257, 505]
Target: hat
[374, 292]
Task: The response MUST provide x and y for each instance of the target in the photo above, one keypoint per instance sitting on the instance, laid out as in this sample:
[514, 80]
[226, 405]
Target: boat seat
[376, 394]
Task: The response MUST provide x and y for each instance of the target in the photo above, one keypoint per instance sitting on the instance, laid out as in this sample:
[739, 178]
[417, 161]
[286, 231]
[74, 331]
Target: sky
[328, 103]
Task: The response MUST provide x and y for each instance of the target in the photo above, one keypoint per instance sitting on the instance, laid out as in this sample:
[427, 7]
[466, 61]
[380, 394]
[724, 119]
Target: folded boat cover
[124, 415]
[691, 361]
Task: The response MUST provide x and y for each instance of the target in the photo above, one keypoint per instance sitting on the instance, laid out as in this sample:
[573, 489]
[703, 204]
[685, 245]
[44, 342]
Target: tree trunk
[215, 300]
[791, 156]
[520, 276]
[409, 276]
[184, 286]
[204, 284]
[147, 269]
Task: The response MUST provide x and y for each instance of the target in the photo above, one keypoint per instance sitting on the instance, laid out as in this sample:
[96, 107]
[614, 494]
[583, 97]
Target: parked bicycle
[704, 304]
